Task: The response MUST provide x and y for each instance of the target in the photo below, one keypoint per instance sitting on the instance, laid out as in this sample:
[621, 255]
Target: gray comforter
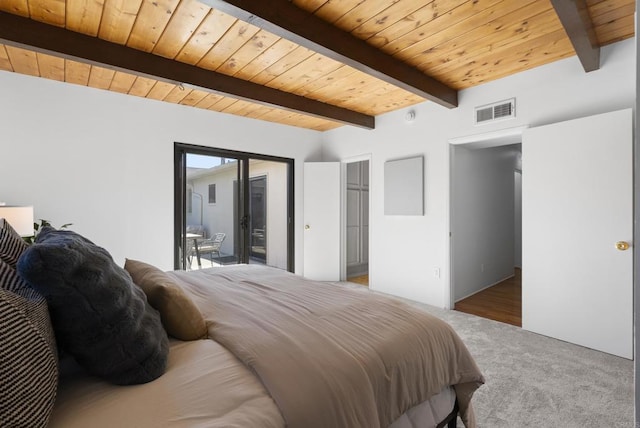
[332, 356]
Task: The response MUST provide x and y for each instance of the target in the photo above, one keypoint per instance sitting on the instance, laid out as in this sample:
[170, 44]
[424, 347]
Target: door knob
[622, 245]
[307, 227]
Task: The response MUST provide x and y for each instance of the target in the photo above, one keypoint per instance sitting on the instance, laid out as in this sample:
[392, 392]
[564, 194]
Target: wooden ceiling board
[241, 108]
[415, 20]
[101, 77]
[153, 17]
[211, 29]
[84, 16]
[223, 103]
[142, 86]
[51, 67]
[388, 101]
[160, 90]
[440, 23]
[17, 7]
[194, 97]
[208, 101]
[5, 62]
[602, 15]
[332, 11]
[616, 31]
[388, 17]
[122, 82]
[23, 61]
[236, 37]
[118, 18]
[334, 78]
[598, 7]
[309, 5]
[480, 24]
[177, 94]
[76, 72]
[505, 35]
[184, 22]
[500, 66]
[614, 24]
[266, 59]
[246, 54]
[288, 118]
[307, 71]
[48, 11]
[297, 56]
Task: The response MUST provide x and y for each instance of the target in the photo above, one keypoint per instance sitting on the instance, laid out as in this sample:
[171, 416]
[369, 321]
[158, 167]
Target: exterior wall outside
[218, 216]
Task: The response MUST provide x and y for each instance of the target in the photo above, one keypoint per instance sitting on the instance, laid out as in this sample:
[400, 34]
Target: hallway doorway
[357, 222]
[486, 229]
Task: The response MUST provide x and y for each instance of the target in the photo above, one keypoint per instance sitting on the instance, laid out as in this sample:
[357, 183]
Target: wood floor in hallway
[362, 279]
[501, 302]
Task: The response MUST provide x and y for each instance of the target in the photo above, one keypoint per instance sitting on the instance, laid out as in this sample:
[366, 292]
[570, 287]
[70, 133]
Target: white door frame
[501, 137]
[343, 212]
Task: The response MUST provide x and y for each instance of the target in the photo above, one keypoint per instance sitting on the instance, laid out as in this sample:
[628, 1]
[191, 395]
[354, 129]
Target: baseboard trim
[484, 288]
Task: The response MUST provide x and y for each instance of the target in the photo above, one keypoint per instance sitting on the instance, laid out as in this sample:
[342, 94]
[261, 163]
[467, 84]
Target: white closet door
[576, 205]
[322, 221]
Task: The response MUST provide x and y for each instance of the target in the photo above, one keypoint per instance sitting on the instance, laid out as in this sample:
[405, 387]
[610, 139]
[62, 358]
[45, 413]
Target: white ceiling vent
[497, 111]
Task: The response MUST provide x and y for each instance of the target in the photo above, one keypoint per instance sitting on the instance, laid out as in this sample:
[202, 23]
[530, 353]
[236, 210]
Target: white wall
[482, 217]
[405, 253]
[104, 161]
[636, 233]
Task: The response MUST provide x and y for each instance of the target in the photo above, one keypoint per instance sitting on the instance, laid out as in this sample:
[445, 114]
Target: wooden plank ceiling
[458, 43]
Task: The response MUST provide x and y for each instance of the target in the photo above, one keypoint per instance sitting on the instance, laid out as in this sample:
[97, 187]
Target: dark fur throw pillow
[98, 314]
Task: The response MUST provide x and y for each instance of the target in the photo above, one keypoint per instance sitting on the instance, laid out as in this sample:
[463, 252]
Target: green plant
[37, 227]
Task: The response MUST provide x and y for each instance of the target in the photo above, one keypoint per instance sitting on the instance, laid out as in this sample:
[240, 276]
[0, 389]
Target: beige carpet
[539, 382]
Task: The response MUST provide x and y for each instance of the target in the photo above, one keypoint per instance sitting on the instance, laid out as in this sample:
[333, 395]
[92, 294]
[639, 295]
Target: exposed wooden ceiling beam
[576, 21]
[34, 35]
[283, 18]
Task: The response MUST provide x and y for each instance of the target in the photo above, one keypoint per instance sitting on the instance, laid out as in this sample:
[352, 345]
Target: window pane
[212, 193]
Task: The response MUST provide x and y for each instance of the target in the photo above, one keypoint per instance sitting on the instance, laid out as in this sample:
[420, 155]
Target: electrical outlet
[482, 267]
[436, 272]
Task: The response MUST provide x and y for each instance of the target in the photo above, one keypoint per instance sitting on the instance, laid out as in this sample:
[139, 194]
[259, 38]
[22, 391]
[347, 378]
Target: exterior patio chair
[211, 246]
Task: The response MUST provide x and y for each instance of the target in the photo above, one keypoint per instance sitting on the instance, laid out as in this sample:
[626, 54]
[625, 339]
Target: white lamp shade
[20, 218]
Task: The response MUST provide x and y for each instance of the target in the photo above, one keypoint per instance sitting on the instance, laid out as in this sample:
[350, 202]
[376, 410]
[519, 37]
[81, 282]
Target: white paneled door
[322, 221]
[577, 214]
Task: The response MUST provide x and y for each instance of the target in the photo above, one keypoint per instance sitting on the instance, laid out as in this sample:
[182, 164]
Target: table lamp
[20, 218]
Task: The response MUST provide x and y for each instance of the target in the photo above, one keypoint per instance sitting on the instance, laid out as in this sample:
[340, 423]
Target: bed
[282, 351]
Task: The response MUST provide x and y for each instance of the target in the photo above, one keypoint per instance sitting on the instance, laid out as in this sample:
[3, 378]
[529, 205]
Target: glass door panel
[232, 207]
[211, 227]
[268, 212]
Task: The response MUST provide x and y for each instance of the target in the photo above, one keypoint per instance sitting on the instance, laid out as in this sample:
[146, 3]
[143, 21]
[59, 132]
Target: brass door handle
[307, 227]
[622, 245]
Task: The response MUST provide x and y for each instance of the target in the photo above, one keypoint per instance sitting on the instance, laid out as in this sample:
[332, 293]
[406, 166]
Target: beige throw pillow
[180, 316]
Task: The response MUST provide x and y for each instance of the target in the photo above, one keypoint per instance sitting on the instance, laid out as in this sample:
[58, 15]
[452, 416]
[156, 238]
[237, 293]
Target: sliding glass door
[232, 207]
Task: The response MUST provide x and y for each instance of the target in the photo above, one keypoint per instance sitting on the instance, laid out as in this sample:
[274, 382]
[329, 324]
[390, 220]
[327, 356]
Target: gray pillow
[99, 316]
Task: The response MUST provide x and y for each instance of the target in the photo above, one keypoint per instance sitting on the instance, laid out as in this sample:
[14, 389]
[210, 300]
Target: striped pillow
[11, 244]
[28, 356]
